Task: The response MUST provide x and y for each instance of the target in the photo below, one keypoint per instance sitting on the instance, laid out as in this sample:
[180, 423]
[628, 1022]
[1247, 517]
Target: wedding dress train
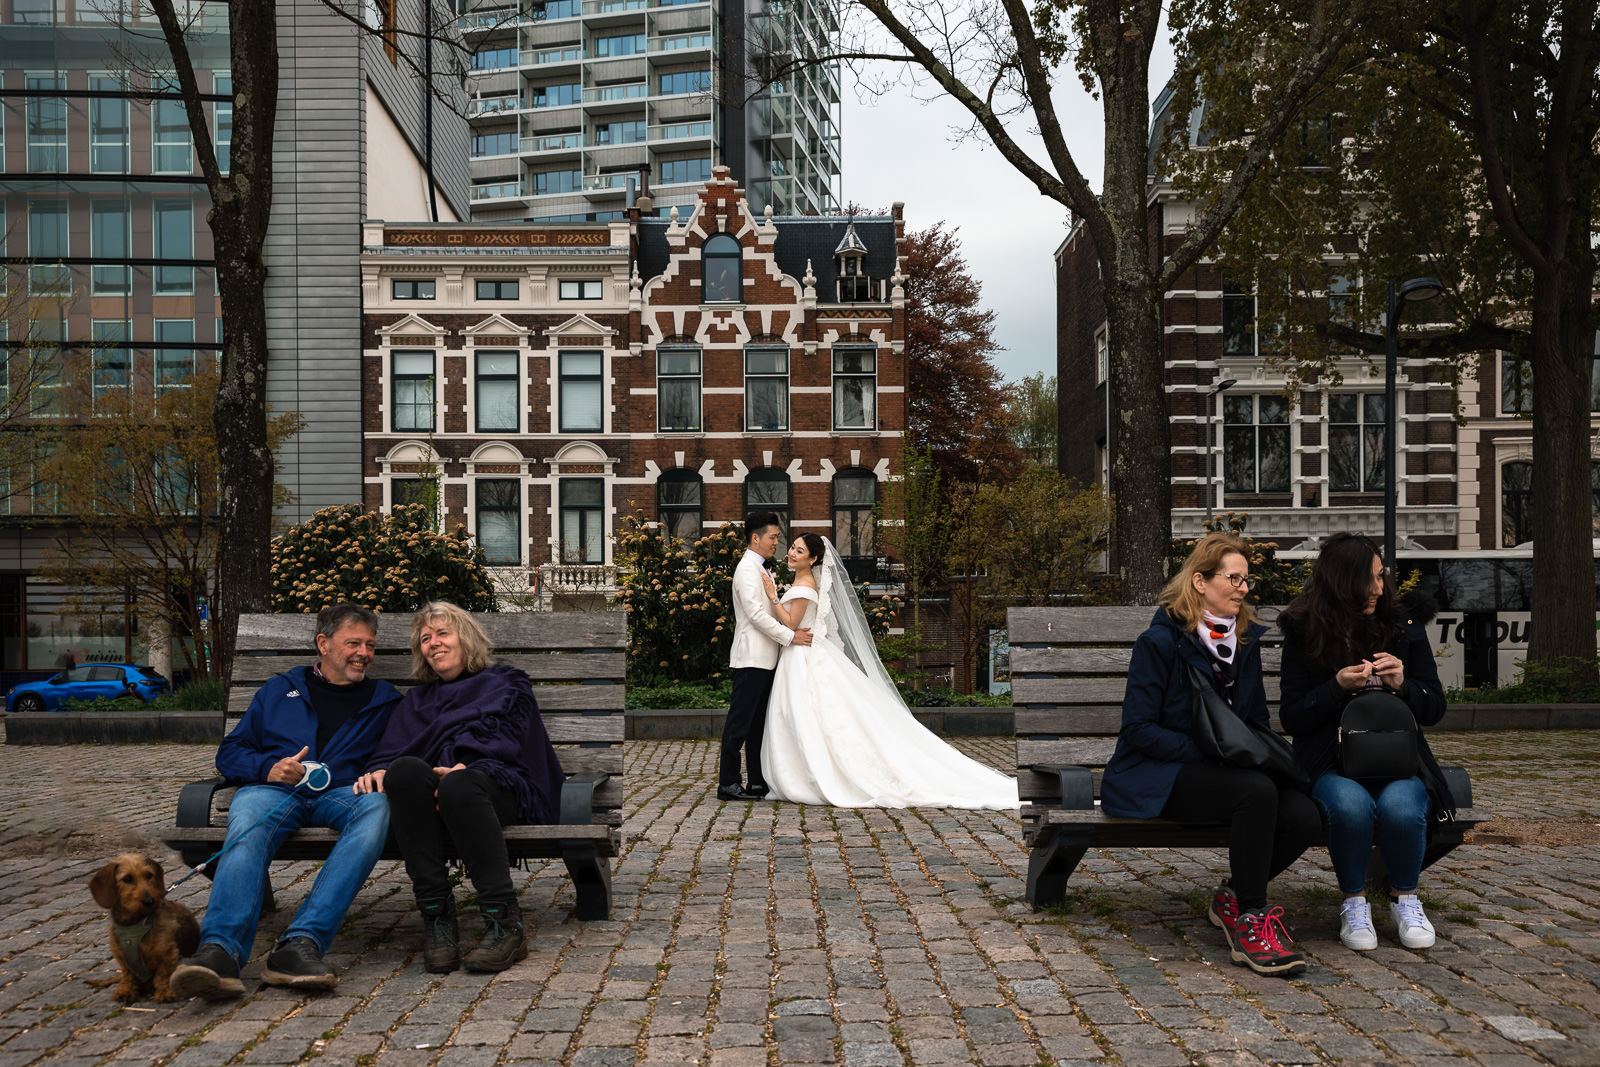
[838, 733]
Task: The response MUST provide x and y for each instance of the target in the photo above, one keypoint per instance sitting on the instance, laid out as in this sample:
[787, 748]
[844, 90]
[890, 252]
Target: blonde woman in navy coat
[1157, 770]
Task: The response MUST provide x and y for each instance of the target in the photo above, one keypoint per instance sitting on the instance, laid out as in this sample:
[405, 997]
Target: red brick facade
[589, 338]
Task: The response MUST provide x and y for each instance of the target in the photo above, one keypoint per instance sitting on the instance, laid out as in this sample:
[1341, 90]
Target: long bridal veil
[841, 620]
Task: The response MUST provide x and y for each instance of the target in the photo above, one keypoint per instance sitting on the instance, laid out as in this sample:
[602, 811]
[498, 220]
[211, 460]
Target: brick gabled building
[551, 379]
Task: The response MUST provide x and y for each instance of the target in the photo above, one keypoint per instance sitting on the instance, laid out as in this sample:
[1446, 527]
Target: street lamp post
[1211, 405]
[1413, 291]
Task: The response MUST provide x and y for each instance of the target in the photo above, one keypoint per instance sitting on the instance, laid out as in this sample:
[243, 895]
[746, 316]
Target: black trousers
[470, 807]
[1269, 823]
[746, 725]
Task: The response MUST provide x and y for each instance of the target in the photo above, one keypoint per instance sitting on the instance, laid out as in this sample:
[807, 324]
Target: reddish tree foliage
[956, 405]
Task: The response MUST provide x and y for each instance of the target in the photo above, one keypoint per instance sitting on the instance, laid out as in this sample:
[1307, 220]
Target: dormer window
[850, 263]
[722, 270]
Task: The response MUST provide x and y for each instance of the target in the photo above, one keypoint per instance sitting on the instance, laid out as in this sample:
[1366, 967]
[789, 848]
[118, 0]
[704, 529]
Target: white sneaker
[1355, 925]
[1415, 929]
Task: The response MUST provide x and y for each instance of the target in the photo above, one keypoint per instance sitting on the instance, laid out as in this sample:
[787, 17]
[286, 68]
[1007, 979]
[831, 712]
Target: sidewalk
[766, 933]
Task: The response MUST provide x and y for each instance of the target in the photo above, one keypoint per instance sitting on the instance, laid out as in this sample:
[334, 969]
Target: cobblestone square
[773, 934]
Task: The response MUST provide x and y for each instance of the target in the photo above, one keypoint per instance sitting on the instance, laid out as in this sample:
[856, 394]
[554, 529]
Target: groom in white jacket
[758, 637]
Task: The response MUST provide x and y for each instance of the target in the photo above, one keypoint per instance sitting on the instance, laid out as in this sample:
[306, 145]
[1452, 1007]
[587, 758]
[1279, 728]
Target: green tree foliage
[1035, 541]
[134, 475]
[389, 563]
[1459, 141]
[1032, 404]
[1001, 63]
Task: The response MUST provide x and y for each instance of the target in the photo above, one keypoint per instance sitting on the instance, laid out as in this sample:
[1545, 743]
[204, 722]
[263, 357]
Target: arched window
[767, 489]
[855, 522]
[721, 263]
[678, 497]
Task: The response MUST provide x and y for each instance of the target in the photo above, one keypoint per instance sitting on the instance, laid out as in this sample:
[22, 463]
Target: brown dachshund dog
[149, 933]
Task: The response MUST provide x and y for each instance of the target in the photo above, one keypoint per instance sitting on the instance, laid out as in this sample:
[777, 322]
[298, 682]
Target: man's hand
[442, 771]
[371, 782]
[802, 637]
[289, 770]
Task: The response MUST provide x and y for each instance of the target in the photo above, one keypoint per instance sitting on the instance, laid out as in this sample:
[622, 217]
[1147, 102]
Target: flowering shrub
[680, 606]
[394, 562]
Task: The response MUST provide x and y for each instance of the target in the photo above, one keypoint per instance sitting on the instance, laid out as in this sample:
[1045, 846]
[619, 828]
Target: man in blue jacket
[329, 713]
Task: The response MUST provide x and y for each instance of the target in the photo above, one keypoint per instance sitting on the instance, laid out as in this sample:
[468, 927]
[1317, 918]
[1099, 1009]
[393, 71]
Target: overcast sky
[896, 148]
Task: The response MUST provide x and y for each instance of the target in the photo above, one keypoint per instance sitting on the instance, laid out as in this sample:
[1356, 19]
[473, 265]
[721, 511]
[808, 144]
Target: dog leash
[313, 769]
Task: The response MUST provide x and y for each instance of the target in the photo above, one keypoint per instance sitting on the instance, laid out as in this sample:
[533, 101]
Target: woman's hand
[1354, 676]
[371, 782]
[442, 771]
[1389, 669]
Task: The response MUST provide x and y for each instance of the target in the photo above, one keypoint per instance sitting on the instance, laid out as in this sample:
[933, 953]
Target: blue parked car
[92, 681]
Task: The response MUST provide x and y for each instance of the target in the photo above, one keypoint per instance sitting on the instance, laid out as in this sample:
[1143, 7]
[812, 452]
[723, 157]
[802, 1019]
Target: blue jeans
[1398, 810]
[241, 876]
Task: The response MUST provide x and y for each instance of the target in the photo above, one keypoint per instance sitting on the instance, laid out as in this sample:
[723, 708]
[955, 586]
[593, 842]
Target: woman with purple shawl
[465, 752]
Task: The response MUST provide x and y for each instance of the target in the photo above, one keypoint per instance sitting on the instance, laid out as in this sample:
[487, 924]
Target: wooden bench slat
[576, 729]
[396, 667]
[1104, 691]
[508, 631]
[570, 698]
[1105, 625]
[1067, 722]
[1114, 661]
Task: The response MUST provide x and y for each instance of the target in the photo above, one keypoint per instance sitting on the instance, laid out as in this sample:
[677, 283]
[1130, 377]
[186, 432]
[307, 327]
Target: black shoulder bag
[1377, 737]
[1221, 734]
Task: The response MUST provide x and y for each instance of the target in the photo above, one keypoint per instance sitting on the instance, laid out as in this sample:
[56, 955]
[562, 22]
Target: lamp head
[1224, 385]
[1418, 289]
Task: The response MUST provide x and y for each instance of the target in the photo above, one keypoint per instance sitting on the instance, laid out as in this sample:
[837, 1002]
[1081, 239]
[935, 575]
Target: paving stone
[886, 944]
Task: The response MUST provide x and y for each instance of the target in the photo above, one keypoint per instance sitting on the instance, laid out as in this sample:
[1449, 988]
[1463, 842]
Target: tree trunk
[1563, 558]
[1142, 468]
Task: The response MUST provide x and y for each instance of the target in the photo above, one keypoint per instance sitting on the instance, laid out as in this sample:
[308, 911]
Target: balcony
[538, 58]
[616, 93]
[552, 144]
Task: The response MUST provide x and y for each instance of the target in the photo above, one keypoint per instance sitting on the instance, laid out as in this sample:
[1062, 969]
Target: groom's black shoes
[756, 792]
[735, 792]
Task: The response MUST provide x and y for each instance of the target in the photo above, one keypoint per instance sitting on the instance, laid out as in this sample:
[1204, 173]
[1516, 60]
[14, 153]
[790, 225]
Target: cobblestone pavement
[769, 933]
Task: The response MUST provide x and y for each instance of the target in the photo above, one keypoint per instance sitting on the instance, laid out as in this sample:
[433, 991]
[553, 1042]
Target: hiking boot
[502, 943]
[298, 964]
[1415, 929]
[209, 973]
[1224, 910]
[441, 945]
[1256, 941]
[1355, 925]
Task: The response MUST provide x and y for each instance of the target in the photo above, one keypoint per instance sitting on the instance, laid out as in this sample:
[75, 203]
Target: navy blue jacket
[1313, 700]
[1155, 740]
[281, 721]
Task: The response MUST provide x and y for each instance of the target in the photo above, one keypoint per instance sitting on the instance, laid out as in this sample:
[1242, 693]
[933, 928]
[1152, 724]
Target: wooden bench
[576, 661]
[1068, 670]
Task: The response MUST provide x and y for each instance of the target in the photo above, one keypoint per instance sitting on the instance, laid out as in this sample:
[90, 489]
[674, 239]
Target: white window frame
[108, 279]
[123, 138]
[871, 377]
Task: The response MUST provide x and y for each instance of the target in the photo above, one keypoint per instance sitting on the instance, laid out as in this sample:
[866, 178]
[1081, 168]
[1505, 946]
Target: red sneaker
[1224, 912]
[1256, 940]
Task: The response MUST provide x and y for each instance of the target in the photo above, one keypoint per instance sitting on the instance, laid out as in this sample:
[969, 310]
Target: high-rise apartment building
[570, 99]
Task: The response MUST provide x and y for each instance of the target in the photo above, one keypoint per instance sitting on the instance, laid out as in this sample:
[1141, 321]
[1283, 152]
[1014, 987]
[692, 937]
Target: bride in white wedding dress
[837, 731]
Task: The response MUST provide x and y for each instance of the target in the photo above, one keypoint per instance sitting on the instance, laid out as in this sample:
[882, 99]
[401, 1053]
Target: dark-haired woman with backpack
[1346, 635]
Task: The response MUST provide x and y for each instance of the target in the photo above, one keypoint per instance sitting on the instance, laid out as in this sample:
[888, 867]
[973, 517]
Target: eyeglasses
[1238, 581]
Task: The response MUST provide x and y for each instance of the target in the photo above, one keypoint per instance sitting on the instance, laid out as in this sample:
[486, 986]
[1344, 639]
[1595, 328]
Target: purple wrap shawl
[488, 721]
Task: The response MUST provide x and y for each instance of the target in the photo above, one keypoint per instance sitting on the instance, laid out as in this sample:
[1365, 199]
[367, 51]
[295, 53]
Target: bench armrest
[577, 797]
[1077, 785]
[194, 801]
